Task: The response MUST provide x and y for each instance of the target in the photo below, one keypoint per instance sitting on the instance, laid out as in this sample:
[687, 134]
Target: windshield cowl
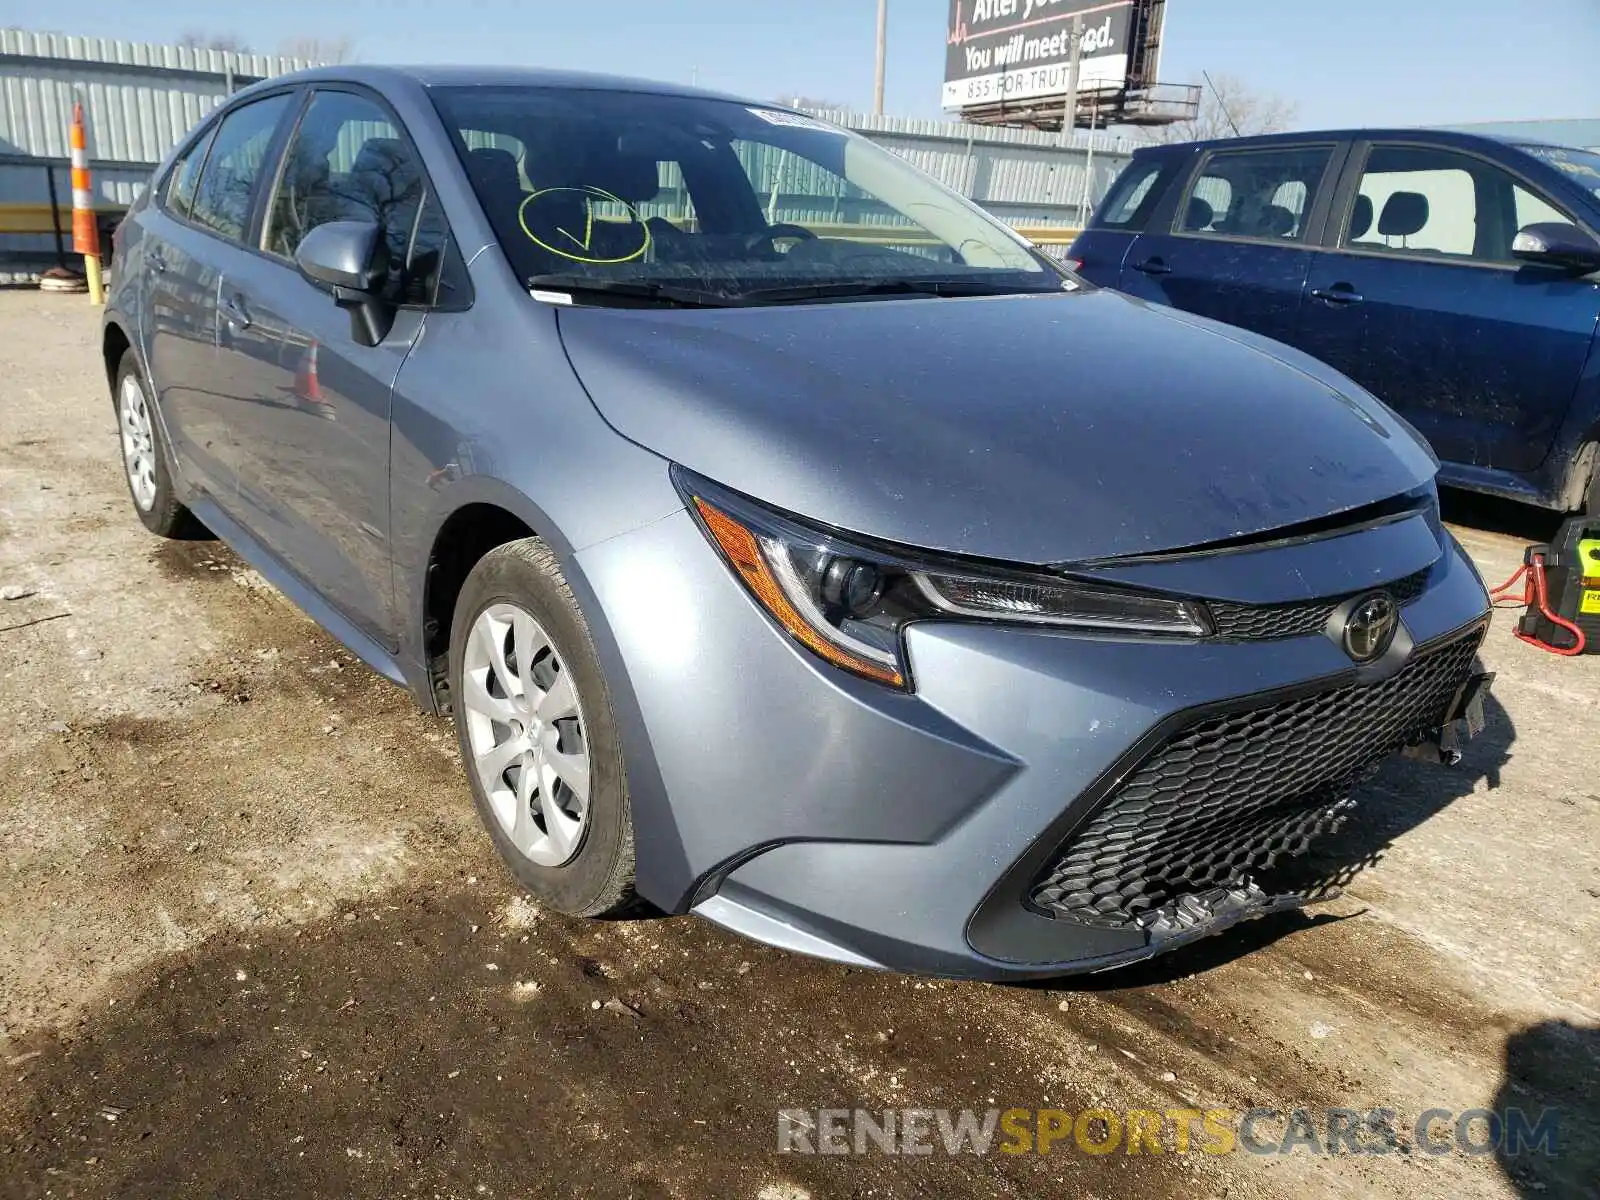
[567, 289]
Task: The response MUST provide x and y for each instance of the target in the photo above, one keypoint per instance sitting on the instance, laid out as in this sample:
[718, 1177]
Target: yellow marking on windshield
[585, 244]
[588, 229]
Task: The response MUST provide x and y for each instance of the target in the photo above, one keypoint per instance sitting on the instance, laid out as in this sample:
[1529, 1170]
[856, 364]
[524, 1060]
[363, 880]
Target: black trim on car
[1004, 929]
[1352, 520]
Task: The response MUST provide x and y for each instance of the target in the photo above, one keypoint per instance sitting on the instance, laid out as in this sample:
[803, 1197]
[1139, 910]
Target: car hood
[1035, 428]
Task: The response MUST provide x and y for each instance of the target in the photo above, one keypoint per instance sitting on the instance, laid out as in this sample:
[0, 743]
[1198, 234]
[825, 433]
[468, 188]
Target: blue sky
[1345, 62]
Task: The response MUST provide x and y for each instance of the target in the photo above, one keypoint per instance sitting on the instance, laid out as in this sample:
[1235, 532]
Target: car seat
[1404, 214]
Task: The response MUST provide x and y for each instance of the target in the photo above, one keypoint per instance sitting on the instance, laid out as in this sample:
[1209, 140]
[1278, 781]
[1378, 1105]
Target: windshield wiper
[906, 286]
[630, 289]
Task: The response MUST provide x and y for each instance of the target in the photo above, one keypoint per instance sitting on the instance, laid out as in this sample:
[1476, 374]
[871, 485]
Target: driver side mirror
[1557, 244]
[351, 258]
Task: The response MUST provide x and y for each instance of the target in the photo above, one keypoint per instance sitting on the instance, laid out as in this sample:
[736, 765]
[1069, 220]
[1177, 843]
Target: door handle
[157, 261]
[1339, 293]
[235, 313]
[1153, 266]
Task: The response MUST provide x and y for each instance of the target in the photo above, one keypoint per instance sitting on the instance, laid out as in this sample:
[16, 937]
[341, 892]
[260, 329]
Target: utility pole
[883, 50]
[1069, 111]
[1088, 167]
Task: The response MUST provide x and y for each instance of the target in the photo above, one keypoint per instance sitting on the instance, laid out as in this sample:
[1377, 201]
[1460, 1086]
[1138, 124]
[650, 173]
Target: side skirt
[280, 577]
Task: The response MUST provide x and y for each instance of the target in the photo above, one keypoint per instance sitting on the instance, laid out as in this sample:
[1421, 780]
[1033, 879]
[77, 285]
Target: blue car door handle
[1153, 266]
[1339, 293]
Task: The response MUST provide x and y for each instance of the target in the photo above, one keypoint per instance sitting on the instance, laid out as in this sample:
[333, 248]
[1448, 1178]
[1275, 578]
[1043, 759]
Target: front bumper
[786, 800]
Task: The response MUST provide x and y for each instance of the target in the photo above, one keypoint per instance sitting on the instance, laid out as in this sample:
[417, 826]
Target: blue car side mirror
[1557, 244]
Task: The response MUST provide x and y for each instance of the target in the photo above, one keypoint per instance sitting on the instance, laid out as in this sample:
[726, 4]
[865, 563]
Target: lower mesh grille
[1226, 798]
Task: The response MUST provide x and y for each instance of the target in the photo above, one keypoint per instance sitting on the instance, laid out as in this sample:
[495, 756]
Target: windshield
[1582, 167]
[625, 193]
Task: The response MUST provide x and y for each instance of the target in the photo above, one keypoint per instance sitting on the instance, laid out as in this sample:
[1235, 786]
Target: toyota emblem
[1370, 626]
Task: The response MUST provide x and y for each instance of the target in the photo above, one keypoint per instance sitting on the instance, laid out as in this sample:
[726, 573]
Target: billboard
[1003, 50]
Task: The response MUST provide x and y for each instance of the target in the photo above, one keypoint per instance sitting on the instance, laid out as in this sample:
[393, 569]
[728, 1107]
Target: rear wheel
[537, 735]
[144, 457]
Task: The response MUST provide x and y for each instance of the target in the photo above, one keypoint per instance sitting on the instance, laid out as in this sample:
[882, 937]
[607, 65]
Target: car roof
[1440, 137]
[378, 76]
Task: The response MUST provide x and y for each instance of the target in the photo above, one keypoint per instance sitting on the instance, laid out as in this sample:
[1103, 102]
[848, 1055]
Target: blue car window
[1532, 208]
[1134, 195]
[1263, 194]
[1422, 201]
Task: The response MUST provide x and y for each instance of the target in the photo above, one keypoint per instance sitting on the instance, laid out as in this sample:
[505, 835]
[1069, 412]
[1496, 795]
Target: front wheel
[537, 734]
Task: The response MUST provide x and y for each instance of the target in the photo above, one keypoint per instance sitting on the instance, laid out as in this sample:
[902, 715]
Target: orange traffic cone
[85, 233]
[308, 385]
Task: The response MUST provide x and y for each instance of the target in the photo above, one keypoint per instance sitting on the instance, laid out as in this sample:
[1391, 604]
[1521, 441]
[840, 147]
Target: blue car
[791, 543]
[1455, 276]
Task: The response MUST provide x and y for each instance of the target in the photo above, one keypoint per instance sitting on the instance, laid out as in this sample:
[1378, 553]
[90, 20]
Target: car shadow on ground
[1550, 1085]
[1403, 795]
[1494, 515]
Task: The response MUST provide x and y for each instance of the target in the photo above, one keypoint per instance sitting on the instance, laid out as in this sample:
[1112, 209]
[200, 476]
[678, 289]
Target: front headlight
[847, 601]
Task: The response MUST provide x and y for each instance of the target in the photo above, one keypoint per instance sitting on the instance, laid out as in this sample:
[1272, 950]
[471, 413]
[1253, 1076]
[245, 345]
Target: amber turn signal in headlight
[756, 566]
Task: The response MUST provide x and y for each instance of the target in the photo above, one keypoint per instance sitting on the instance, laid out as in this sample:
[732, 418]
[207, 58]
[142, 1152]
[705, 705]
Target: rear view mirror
[1557, 244]
[343, 254]
[352, 258]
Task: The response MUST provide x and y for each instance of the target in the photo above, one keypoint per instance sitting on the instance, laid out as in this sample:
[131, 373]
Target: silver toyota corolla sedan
[791, 542]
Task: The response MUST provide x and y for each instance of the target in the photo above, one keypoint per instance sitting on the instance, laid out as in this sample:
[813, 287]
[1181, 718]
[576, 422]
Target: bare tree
[230, 42]
[319, 50]
[1234, 109]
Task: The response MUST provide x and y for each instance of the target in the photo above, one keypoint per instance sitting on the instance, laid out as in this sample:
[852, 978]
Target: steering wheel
[781, 230]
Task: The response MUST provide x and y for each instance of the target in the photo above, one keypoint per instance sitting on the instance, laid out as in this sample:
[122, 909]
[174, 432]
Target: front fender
[662, 860]
[1572, 462]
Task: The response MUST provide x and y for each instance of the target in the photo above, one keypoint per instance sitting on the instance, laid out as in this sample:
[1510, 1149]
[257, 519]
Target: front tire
[537, 733]
[144, 457]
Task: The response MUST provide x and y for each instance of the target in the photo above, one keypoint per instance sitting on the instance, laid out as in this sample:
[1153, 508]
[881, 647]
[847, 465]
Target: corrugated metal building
[140, 98]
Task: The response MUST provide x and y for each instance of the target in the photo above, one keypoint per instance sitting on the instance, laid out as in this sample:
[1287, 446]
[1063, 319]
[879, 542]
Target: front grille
[1268, 622]
[1225, 798]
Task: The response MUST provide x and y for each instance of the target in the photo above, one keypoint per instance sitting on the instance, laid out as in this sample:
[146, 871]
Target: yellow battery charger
[1571, 590]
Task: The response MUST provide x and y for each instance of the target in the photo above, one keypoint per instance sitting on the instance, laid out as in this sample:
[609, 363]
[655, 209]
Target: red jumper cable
[1533, 593]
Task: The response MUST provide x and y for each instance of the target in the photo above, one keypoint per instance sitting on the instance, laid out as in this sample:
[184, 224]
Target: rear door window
[185, 174]
[1135, 194]
[1262, 194]
[232, 169]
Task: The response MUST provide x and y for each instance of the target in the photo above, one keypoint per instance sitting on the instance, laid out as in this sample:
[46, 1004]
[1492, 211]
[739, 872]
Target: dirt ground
[252, 942]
